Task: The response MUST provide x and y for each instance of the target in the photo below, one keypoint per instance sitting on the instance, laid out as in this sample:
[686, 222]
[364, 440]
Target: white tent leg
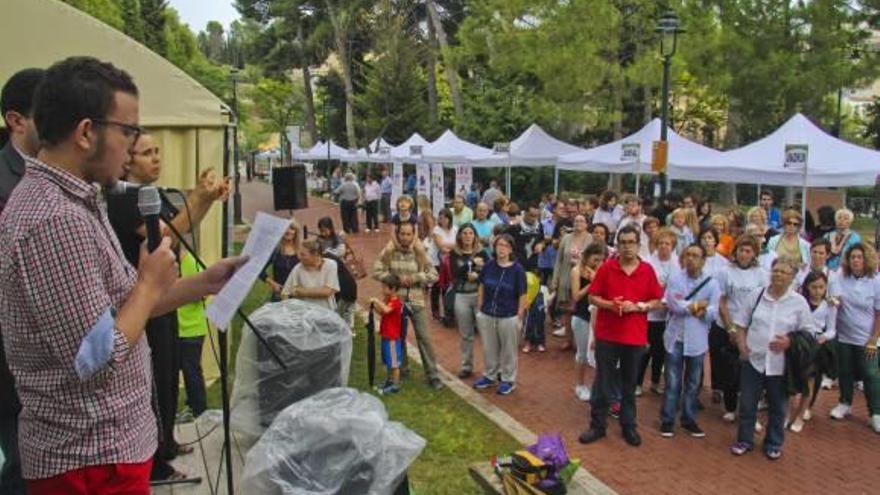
[555, 181]
[638, 179]
[758, 196]
[508, 182]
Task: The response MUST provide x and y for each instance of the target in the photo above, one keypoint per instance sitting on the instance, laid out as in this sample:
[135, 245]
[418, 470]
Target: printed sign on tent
[629, 152]
[796, 155]
[396, 185]
[423, 180]
[437, 196]
[464, 177]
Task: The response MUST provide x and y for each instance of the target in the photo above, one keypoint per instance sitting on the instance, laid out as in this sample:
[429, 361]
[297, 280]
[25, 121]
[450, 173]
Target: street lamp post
[236, 195]
[669, 28]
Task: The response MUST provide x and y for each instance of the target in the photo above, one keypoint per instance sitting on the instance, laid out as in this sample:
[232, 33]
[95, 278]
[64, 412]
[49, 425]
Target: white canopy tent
[831, 162]
[402, 153]
[449, 148]
[533, 148]
[611, 157]
[321, 151]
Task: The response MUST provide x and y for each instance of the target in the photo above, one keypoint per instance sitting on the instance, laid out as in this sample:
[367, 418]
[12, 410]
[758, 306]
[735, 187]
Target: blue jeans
[752, 385]
[191, 366]
[686, 371]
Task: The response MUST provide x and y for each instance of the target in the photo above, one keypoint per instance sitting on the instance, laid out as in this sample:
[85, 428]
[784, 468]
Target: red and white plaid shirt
[61, 269]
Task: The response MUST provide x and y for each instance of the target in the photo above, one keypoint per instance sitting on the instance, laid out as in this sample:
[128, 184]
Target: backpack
[348, 290]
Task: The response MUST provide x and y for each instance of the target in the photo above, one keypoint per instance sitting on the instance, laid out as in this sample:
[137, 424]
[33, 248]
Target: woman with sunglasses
[789, 243]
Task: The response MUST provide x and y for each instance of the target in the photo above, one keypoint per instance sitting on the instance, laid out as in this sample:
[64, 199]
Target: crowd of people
[779, 305]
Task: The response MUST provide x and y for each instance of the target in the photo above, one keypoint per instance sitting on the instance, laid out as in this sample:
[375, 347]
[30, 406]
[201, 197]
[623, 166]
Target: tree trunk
[432, 76]
[340, 32]
[309, 104]
[311, 124]
[451, 74]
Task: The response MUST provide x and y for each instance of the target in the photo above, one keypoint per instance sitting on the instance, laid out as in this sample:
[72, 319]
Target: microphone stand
[224, 365]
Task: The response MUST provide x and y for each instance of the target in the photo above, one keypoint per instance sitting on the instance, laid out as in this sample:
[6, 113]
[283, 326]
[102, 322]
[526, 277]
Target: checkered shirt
[61, 269]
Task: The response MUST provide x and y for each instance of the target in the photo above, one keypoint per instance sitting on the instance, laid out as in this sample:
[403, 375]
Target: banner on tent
[629, 152]
[437, 196]
[464, 178]
[396, 185]
[796, 155]
[423, 180]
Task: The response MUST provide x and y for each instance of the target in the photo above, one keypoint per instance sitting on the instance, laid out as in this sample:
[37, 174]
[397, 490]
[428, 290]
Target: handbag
[354, 263]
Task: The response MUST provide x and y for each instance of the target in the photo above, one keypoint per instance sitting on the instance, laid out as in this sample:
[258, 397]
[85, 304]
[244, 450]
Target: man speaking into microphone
[73, 309]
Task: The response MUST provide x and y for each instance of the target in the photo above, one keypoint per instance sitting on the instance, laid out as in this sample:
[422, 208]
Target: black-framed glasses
[132, 132]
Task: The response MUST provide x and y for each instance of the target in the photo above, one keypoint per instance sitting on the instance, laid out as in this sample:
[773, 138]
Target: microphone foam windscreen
[149, 202]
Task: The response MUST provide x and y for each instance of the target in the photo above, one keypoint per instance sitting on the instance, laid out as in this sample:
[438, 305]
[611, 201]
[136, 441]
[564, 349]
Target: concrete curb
[589, 483]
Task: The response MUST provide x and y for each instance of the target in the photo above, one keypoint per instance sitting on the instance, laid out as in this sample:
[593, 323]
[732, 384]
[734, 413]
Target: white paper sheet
[266, 232]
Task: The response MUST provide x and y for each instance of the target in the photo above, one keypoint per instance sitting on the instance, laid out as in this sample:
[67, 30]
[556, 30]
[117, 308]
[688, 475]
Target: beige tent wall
[187, 119]
[185, 154]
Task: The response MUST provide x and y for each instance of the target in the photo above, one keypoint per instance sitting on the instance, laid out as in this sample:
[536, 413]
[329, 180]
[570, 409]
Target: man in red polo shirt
[625, 289]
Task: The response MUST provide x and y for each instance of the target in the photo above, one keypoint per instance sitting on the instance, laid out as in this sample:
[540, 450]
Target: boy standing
[389, 329]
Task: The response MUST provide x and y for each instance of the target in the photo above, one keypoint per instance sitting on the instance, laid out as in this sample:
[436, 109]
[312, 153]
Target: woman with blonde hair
[681, 227]
[283, 259]
[789, 243]
[465, 262]
[758, 216]
[721, 224]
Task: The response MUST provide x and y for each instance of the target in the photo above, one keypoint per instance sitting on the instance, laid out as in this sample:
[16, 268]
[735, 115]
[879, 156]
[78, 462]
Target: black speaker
[289, 188]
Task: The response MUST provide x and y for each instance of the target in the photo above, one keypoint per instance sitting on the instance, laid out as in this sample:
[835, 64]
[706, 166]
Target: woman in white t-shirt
[857, 287]
[709, 239]
[824, 312]
[738, 281]
[314, 279]
[665, 264]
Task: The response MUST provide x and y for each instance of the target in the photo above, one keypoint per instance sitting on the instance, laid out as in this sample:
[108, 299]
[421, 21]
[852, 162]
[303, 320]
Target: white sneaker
[638, 390]
[797, 426]
[582, 392]
[827, 383]
[841, 411]
[559, 332]
[762, 405]
[759, 427]
[808, 415]
[729, 417]
[875, 423]
[860, 385]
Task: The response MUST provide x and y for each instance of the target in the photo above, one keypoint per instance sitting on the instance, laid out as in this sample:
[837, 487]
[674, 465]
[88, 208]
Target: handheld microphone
[150, 204]
[122, 187]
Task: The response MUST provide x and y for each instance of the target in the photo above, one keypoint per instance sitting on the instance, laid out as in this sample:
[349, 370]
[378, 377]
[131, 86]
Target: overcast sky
[197, 13]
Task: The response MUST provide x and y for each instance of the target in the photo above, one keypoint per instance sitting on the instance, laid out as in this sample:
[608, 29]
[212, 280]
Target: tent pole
[804, 202]
[556, 181]
[508, 181]
[758, 196]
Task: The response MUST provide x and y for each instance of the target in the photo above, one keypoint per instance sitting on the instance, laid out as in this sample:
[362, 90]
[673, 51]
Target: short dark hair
[19, 91]
[74, 89]
[713, 232]
[392, 281]
[628, 229]
[768, 193]
[821, 241]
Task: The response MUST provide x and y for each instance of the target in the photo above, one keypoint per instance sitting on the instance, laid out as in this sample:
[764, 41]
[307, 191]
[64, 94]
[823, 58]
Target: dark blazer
[11, 170]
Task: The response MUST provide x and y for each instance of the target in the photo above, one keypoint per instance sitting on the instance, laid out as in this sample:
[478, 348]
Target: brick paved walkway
[827, 457]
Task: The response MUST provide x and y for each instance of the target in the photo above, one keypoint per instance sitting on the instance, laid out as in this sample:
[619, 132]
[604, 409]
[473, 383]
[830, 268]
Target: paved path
[828, 457]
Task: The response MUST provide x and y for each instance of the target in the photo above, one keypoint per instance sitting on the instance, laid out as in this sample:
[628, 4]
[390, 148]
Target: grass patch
[456, 433]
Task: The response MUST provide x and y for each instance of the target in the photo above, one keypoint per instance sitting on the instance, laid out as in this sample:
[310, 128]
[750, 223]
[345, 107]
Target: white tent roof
[370, 153]
[831, 162]
[319, 152]
[609, 157]
[168, 96]
[532, 148]
[449, 148]
[401, 152]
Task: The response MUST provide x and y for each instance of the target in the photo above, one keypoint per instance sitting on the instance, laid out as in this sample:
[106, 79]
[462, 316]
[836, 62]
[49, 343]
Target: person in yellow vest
[191, 330]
